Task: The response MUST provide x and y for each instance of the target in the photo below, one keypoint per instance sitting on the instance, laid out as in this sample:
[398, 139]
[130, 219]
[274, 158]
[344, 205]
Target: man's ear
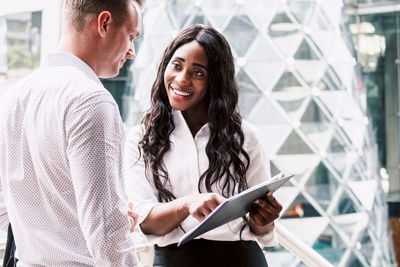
[103, 23]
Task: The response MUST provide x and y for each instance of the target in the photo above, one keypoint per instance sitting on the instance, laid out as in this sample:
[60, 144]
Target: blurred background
[319, 78]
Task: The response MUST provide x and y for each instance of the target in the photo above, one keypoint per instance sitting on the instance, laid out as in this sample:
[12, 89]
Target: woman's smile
[178, 92]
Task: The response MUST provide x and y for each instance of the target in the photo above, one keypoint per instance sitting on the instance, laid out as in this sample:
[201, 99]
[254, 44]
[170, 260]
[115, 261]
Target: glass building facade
[300, 84]
[307, 81]
[20, 39]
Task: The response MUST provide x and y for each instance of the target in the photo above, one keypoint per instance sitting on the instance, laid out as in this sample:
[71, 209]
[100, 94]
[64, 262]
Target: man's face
[119, 43]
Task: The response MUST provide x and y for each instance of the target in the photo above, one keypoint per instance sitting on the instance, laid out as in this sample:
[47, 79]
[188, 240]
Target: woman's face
[186, 78]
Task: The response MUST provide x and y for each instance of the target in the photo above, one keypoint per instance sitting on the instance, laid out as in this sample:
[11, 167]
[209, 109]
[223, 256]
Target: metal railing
[299, 248]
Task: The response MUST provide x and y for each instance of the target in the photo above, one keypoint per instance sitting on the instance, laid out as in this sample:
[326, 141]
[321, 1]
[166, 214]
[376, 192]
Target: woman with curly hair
[191, 151]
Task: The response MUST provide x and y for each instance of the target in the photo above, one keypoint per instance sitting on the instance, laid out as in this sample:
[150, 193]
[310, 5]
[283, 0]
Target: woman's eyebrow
[199, 65]
[193, 64]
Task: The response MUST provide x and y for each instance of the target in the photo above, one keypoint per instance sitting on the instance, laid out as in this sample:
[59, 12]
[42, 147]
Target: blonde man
[61, 145]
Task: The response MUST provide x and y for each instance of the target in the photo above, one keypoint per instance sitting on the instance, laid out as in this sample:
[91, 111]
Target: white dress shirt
[61, 141]
[185, 162]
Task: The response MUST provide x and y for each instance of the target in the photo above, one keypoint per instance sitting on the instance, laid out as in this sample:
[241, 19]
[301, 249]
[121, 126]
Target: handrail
[298, 247]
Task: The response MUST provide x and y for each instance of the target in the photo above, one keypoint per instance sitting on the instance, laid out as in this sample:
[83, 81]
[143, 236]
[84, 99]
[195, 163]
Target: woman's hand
[263, 213]
[165, 217]
[132, 216]
[201, 205]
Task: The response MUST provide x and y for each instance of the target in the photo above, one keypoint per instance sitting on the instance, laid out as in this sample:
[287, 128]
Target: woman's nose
[183, 78]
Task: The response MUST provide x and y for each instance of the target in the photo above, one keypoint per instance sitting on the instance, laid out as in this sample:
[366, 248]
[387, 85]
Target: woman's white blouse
[185, 162]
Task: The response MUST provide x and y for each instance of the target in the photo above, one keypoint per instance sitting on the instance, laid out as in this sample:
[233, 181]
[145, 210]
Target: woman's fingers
[203, 204]
[132, 216]
[265, 210]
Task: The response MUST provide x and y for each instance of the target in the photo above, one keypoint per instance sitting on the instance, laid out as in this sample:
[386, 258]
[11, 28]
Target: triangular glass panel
[310, 70]
[367, 246]
[301, 164]
[282, 25]
[329, 81]
[365, 191]
[159, 32]
[336, 145]
[345, 71]
[325, 41]
[354, 261]
[379, 219]
[339, 155]
[355, 175]
[249, 94]
[247, 101]
[322, 186]
[264, 63]
[294, 144]
[290, 94]
[179, 11]
[374, 220]
[301, 208]
[267, 112]
[347, 38]
[287, 80]
[345, 205]
[219, 12]
[332, 101]
[330, 245]
[302, 10]
[285, 33]
[285, 195]
[317, 20]
[308, 64]
[353, 122]
[157, 22]
[316, 125]
[333, 11]
[313, 227]
[246, 84]
[274, 170]
[324, 86]
[240, 33]
[305, 52]
[199, 18]
[351, 225]
[261, 12]
[274, 135]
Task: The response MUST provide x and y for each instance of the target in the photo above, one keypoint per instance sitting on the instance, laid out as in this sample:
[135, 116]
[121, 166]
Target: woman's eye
[198, 73]
[176, 65]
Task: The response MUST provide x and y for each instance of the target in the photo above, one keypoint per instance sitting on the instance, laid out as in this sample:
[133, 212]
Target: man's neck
[81, 45]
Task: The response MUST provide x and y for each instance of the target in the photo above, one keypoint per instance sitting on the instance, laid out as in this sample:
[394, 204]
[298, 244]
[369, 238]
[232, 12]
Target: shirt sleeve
[140, 191]
[94, 135]
[258, 172]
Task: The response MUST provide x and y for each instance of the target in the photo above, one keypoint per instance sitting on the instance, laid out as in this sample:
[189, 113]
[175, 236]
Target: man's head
[80, 12]
[101, 32]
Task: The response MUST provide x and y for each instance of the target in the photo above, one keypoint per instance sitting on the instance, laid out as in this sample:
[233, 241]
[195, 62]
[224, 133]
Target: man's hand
[263, 213]
[132, 216]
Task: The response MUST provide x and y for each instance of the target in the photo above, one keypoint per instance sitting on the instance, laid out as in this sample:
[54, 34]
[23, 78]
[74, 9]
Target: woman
[192, 151]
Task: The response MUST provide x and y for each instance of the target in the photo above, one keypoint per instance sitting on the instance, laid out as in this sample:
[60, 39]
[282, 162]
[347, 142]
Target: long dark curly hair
[228, 161]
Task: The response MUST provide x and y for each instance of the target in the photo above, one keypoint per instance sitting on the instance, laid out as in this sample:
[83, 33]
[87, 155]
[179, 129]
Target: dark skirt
[208, 253]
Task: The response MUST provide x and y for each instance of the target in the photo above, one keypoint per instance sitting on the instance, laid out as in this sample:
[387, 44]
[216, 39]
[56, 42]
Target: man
[61, 145]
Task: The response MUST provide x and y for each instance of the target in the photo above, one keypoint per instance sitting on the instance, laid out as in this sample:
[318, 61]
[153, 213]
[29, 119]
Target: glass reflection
[330, 245]
[20, 42]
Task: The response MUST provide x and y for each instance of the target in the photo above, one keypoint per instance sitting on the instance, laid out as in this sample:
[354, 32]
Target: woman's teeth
[180, 93]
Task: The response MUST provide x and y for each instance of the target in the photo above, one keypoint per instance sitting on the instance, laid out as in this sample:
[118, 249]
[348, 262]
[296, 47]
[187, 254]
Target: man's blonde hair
[79, 12]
